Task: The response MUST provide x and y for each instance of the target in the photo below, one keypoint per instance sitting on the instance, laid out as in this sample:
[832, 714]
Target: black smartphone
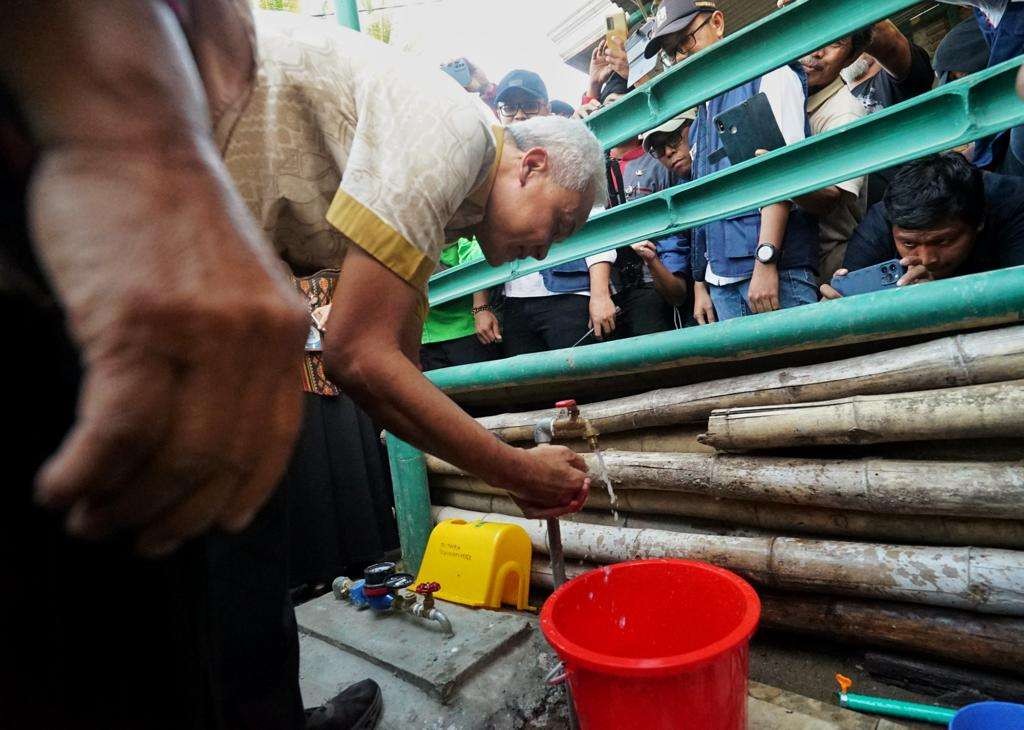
[869, 279]
[749, 127]
[458, 70]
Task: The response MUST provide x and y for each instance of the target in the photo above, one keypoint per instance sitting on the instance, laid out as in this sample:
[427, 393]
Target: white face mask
[855, 70]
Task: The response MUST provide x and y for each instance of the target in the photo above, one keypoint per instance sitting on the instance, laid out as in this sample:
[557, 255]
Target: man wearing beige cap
[655, 274]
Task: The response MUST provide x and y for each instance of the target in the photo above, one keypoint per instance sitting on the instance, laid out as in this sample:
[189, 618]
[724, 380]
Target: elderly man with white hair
[354, 157]
[360, 165]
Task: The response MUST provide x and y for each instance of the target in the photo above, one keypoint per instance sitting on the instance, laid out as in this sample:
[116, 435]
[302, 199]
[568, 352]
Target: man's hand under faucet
[549, 475]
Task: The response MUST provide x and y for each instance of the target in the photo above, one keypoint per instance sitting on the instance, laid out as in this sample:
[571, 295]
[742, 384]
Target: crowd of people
[947, 214]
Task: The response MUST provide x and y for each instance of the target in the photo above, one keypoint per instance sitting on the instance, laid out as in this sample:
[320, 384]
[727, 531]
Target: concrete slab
[508, 694]
[417, 651]
[505, 690]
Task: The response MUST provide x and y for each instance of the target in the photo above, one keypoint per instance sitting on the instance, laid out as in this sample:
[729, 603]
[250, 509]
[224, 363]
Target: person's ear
[534, 163]
[718, 23]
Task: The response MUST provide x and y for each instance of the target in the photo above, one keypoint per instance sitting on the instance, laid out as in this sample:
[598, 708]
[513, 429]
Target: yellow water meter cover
[479, 564]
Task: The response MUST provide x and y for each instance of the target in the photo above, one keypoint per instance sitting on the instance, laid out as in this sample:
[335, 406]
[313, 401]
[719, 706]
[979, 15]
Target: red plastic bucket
[655, 644]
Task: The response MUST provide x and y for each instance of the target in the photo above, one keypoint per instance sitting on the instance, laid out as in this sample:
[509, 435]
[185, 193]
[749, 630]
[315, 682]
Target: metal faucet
[566, 426]
[544, 431]
[427, 610]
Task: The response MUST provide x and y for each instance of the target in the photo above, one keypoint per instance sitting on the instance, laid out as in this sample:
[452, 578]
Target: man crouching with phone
[941, 217]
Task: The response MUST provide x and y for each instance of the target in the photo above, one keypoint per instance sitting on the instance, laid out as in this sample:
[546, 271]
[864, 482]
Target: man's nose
[929, 256]
[520, 115]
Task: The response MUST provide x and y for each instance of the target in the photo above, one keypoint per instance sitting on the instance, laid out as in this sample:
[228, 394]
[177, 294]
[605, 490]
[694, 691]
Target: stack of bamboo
[878, 500]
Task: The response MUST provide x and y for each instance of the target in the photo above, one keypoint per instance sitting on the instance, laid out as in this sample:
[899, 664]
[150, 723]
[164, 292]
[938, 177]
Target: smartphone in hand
[458, 70]
[873, 278]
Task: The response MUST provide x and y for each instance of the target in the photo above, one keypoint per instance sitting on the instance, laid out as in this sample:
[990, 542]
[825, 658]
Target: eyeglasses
[529, 108]
[685, 44]
[659, 148]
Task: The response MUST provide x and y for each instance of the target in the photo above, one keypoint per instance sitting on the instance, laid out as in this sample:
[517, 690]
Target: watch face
[765, 253]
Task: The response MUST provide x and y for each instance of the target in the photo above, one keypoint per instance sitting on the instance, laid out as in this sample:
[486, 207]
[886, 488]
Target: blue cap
[528, 81]
[561, 108]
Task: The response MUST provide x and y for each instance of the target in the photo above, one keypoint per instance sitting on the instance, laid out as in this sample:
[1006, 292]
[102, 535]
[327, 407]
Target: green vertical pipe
[412, 500]
[347, 13]
[897, 708]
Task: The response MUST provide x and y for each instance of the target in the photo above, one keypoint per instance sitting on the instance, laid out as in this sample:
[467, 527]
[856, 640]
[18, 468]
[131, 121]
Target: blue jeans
[796, 287]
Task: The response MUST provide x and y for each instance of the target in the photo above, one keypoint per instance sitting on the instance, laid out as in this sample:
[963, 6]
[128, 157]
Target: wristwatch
[766, 253]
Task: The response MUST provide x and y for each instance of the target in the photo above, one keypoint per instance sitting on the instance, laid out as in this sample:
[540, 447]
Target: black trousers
[644, 312]
[93, 636]
[537, 324]
[256, 637]
[461, 351]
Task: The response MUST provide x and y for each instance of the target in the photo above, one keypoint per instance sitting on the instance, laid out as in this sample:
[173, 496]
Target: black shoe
[358, 707]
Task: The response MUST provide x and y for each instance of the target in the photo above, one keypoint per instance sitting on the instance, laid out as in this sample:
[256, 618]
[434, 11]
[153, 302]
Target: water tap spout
[432, 614]
[544, 431]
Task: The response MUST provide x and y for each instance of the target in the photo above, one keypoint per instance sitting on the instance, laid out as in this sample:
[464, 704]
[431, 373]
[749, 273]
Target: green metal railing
[963, 302]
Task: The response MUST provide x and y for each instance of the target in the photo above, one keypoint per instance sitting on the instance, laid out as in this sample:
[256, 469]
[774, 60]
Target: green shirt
[452, 320]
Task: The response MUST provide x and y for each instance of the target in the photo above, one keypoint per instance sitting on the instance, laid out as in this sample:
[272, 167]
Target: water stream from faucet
[604, 476]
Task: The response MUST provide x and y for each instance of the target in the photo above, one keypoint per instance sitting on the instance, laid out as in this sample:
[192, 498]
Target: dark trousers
[644, 312]
[252, 615]
[461, 351]
[536, 324]
[93, 636]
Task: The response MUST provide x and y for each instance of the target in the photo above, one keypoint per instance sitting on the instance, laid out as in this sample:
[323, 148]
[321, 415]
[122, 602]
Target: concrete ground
[491, 673]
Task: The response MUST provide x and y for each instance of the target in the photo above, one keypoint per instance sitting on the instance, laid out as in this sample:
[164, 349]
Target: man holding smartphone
[758, 261]
[941, 217]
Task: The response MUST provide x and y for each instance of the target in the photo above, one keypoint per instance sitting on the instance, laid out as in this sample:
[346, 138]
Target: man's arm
[891, 49]
[821, 202]
[671, 287]
[602, 308]
[165, 280]
[763, 293]
[373, 359]
[488, 329]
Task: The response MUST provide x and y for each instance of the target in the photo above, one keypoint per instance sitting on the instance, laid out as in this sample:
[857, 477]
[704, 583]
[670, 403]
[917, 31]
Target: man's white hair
[577, 158]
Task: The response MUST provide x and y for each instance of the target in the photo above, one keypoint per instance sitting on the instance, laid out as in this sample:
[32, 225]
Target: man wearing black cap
[761, 260]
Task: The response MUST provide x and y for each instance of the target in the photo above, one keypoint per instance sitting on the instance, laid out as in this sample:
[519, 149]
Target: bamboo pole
[981, 357]
[885, 486]
[949, 634]
[642, 509]
[969, 412]
[985, 580]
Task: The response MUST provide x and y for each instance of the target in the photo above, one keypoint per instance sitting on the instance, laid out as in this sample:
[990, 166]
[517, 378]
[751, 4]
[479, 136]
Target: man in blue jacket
[758, 261]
